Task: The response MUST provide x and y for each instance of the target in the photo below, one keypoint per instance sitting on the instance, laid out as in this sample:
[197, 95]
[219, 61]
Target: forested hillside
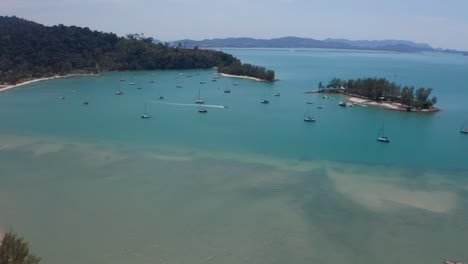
[31, 50]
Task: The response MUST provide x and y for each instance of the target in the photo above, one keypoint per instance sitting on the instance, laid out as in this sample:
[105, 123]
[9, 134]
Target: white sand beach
[244, 77]
[387, 105]
[8, 87]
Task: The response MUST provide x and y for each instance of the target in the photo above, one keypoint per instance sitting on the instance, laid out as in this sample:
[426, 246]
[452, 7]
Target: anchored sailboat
[199, 100]
[145, 115]
[464, 129]
[381, 136]
[308, 117]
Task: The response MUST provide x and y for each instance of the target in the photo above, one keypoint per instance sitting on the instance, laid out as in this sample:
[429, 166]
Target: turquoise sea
[250, 183]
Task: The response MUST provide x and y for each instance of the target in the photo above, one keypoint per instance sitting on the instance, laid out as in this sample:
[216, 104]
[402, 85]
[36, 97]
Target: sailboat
[464, 129]
[226, 90]
[145, 115]
[178, 83]
[381, 137]
[199, 100]
[308, 117]
[320, 106]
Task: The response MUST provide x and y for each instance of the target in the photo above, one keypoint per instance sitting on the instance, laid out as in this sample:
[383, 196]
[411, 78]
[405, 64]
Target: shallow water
[251, 183]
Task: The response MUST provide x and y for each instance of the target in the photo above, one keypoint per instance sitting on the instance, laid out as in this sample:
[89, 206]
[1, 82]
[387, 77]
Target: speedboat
[132, 83]
[85, 102]
[309, 119]
[62, 97]
[277, 94]
[151, 81]
[139, 87]
[146, 116]
[199, 101]
[342, 104]
[202, 82]
[119, 92]
[161, 97]
[202, 110]
[265, 102]
[320, 106]
[227, 91]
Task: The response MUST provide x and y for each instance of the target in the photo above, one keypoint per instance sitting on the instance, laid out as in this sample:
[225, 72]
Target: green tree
[14, 250]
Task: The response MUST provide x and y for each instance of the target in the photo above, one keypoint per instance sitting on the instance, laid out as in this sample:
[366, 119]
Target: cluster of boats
[381, 137]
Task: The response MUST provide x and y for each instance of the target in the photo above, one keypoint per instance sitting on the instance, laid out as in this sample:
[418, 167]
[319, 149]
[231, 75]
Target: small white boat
[161, 97]
[277, 94]
[342, 104]
[202, 82]
[178, 86]
[119, 92]
[235, 84]
[151, 81]
[309, 119]
[320, 106]
[202, 110]
[265, 101]
[132, 83]
[62, 97]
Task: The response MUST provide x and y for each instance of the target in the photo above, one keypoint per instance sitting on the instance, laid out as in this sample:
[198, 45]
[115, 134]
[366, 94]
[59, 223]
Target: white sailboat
[199, 100]
[464, 129]
[146, 115]
[308, 117]
[381, 136]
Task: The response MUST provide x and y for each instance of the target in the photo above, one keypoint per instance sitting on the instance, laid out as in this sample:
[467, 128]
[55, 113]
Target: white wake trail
[197, 105]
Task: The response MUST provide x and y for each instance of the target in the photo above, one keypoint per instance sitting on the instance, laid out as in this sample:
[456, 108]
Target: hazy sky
[440, 23]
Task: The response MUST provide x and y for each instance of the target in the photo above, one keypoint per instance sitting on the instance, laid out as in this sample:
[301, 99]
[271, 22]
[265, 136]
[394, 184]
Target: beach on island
[388, 105]
[8, 87]
[241, 76]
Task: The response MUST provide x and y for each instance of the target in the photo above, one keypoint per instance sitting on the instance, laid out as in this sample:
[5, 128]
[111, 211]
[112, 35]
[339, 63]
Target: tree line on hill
[31, 50]
[379, 89]
[238, 68]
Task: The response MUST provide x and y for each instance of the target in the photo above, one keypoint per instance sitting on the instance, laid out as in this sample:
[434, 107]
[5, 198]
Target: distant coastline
[12, 86]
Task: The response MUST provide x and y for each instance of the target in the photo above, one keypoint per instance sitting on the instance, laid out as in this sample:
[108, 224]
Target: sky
[440, 23]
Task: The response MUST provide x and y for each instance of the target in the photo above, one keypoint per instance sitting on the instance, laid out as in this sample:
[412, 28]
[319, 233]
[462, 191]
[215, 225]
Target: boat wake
[197, 105]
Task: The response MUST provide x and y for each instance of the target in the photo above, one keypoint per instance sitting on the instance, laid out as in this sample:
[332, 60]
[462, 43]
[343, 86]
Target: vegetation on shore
[15, 250]
[237, 68]
[380, 89]
[30, 50]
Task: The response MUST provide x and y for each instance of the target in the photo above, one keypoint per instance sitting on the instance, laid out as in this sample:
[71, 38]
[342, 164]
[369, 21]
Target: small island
[30, 51]
[381, 92]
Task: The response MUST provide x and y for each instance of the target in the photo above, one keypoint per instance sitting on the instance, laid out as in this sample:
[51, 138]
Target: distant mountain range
[296, 42]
